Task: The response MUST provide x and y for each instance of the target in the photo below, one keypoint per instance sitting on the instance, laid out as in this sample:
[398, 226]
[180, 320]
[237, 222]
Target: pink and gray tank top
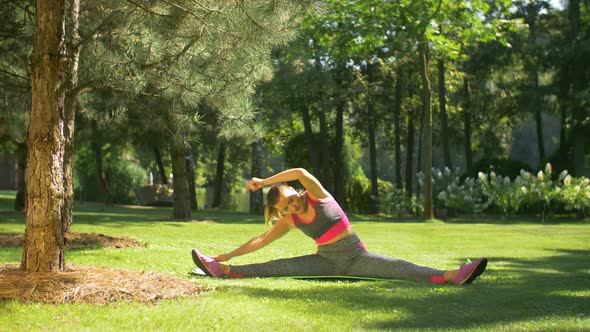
[329, 220]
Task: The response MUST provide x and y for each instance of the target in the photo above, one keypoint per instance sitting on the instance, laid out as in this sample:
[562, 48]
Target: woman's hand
[222, 258]
[255, 184]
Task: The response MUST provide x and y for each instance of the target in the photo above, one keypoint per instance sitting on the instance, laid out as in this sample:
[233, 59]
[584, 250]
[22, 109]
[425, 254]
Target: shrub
[574, 193]
[397, 202]
[536, 191]
[502, 191]
[358, 193]
[450, 191]
[468, 197]
[123, 176]
[441, 180]
[505, 167]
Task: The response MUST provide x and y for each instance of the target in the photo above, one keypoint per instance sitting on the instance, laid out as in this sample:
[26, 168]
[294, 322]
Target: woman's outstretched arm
[279, 229]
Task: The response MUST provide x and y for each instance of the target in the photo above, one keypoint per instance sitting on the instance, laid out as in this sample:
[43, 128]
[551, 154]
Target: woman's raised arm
[313, 187]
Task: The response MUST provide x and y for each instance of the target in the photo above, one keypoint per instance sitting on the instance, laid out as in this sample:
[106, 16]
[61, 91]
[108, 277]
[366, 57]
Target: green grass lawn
[538, 277]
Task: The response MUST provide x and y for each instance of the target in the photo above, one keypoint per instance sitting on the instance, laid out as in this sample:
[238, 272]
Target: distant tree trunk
[256, 166]
[100, 172]
[563, 126]
[190, 171]
[420, 153]
[410, 152]
[577, 78]
[68, 165]
[182, 204]
[325, 175]
[427, 100]
[562, 104]
[374, 206]
[540, 143]
[467, 125]
[325, 172]
[339, 190]
[71, 98]
[531, 66]
[160, 163]
[21, 185]
[45, 224]
[256, 197]
[218, 190]
[444, 126]
[401, 90]
[309, 139]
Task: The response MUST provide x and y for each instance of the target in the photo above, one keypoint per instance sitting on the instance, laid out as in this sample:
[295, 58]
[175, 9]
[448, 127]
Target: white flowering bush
[537, 192]
[574, 193]
[397, 202]
[504, 193]
[465, 197]
[441, 180]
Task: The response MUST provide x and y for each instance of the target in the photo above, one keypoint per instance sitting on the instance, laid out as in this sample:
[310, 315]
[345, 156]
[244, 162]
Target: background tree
[16, 34]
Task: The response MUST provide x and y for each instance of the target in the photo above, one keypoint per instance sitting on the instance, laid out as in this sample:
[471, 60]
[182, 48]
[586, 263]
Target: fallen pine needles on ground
[81, 284]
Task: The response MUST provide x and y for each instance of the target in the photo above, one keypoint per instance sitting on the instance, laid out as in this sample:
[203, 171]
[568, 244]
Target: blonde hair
[272, 197]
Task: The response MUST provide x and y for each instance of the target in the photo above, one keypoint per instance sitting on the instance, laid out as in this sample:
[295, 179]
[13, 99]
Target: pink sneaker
[207, 264]
[468, 272]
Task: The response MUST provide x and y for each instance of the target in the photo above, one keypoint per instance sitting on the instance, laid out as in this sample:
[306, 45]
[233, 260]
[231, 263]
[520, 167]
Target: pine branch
[191, 13]
[12, 76]
[207, 9]
[145, 8]
[176, 56]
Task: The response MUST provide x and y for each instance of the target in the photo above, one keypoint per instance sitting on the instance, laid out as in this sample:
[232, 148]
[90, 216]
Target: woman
[340, 252]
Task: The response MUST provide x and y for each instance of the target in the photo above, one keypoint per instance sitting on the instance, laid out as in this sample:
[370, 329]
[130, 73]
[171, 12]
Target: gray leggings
[347, 257]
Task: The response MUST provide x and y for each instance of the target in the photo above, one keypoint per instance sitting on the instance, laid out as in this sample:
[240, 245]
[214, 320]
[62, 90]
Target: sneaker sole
[200, 264]
[477, 272]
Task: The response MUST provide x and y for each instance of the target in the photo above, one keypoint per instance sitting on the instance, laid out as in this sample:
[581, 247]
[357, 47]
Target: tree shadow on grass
[123, 216]
[526, 291]
[11, 217]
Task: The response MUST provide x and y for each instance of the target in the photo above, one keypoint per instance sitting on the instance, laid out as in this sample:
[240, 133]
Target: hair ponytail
[272, 197]
[270, 214]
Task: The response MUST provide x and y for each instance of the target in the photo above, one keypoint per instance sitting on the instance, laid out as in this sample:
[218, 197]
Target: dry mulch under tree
[81, 284]
[77, 241]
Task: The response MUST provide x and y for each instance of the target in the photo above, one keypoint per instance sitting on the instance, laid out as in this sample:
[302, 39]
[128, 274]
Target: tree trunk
[339, 190]
[311, 146]
[160, 163]
[444, 124]
[190, 170]
[45, 225]
[374, 206]
[256, 197]
[71, 97]
[256, 205]
[400, 90]
[100, 172]
[427, 100]
[218, 190]
[182, 205]
[325, 175]
[563, 126]
[420, 150]
[21, 185]
[410, 152]
[577, 77]
[467, 125]
[540, 142]
[531, 65]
